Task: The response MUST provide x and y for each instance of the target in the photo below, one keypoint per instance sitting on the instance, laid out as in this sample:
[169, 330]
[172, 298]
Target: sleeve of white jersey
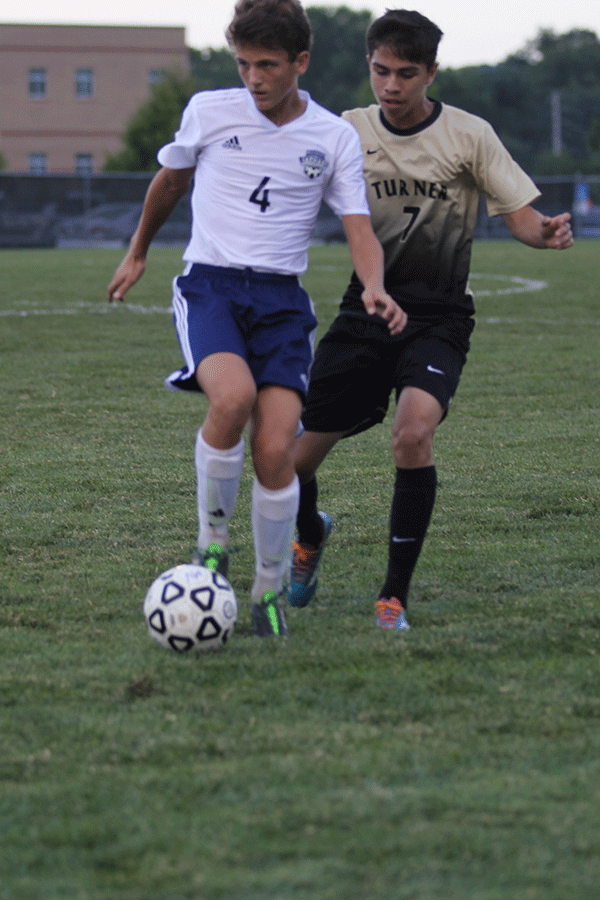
[184, 149]
[346, 193]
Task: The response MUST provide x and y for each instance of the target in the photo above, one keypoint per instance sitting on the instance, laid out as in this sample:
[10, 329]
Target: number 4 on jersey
[260, 195]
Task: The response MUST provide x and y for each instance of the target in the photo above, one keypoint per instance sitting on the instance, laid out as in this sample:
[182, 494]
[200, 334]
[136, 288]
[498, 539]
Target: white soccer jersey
[258, 186]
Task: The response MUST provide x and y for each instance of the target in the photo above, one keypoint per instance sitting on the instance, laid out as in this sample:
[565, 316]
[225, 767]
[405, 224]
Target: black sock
[309, 522]
[412, 505]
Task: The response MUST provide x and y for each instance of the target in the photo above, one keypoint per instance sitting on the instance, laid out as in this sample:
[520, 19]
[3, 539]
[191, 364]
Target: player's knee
[310, 449]
[412, 444]
[230, 408]
[271, 455]
[305, 463]
[305, 470]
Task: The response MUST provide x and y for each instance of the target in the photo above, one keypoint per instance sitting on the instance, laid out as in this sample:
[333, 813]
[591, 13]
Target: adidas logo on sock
[233, 143]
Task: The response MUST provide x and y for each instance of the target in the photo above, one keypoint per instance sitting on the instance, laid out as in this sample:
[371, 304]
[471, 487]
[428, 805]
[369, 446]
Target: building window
[84, 163]
[38, 82]
[38, 163]
[155, 76]
[84, 83]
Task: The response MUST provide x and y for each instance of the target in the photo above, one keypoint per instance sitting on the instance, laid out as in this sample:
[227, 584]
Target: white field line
[517, 285]
[514, 285]
[107, 308]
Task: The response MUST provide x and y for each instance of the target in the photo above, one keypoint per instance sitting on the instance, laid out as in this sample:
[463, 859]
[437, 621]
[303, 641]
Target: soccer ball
[190, 608]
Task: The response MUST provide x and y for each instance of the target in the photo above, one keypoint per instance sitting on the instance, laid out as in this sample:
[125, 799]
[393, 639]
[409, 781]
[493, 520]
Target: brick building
[67, 91]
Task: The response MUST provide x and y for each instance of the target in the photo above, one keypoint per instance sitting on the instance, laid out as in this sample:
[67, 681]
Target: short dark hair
[272, 24]
[409, 34]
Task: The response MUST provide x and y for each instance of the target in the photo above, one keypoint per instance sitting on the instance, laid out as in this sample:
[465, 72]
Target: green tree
[337, 65]
[514, 96]
[212, 69]
[567, 59]
[570, 64]
[469, 88]
[335, 75]
[153, 125]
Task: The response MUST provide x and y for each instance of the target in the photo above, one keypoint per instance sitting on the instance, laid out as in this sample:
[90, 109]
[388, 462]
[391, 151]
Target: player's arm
[367, 257]
[543, 232]
[164, 193]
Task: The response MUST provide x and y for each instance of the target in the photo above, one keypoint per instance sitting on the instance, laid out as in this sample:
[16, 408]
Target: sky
[475, 31]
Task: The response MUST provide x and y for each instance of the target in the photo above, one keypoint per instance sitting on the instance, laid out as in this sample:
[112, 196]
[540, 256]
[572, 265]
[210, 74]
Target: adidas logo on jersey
[232, 144]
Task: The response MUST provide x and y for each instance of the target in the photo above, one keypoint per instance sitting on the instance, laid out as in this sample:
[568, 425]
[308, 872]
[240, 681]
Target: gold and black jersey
[424, 185]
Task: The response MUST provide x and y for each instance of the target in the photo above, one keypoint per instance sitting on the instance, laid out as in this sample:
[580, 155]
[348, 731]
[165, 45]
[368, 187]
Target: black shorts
[352, 376]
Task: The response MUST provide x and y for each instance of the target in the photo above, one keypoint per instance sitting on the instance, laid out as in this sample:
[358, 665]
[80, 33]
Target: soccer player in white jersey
[426, 165]
[262, 157]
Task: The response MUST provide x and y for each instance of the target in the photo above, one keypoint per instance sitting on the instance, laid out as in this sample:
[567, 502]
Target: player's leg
[348, 393]
[428, 374]
[275, 495]
[314, 526]
[231, 392]
[230, 388]
[214, 350]
[417, 417]
[311, 449]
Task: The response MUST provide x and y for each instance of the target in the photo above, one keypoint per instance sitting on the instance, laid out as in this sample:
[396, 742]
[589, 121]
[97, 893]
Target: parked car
[23, 229]
[109, 223]
[112, 224]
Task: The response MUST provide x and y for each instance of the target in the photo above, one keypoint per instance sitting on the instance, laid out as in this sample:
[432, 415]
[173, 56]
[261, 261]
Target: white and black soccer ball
[190, 608]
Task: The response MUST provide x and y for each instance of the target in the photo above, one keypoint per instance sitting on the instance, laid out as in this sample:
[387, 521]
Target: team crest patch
[314, 163]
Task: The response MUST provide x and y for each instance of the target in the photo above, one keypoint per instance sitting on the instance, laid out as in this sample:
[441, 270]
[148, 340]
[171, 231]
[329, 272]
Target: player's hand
[131, 270]
[556, 231]
[385, 306]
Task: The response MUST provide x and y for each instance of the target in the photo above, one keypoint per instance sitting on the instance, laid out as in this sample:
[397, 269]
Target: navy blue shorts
[266, 318]
[353, 377]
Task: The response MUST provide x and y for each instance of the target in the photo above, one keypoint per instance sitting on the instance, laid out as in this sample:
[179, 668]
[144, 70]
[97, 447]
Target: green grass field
[460, 761]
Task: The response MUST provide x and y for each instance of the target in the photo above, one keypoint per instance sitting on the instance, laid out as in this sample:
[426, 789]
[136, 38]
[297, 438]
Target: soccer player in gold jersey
[426, 165]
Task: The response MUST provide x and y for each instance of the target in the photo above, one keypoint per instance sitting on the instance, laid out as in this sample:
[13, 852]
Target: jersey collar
[267, 123]
[405, 132]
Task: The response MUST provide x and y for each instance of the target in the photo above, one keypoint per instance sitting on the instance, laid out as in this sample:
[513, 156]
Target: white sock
[218, 475]
[273, 523]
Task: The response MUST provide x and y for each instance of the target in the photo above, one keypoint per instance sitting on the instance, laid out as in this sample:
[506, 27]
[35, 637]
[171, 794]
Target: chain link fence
[103, 210]
[577, 194]
[79, 210]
